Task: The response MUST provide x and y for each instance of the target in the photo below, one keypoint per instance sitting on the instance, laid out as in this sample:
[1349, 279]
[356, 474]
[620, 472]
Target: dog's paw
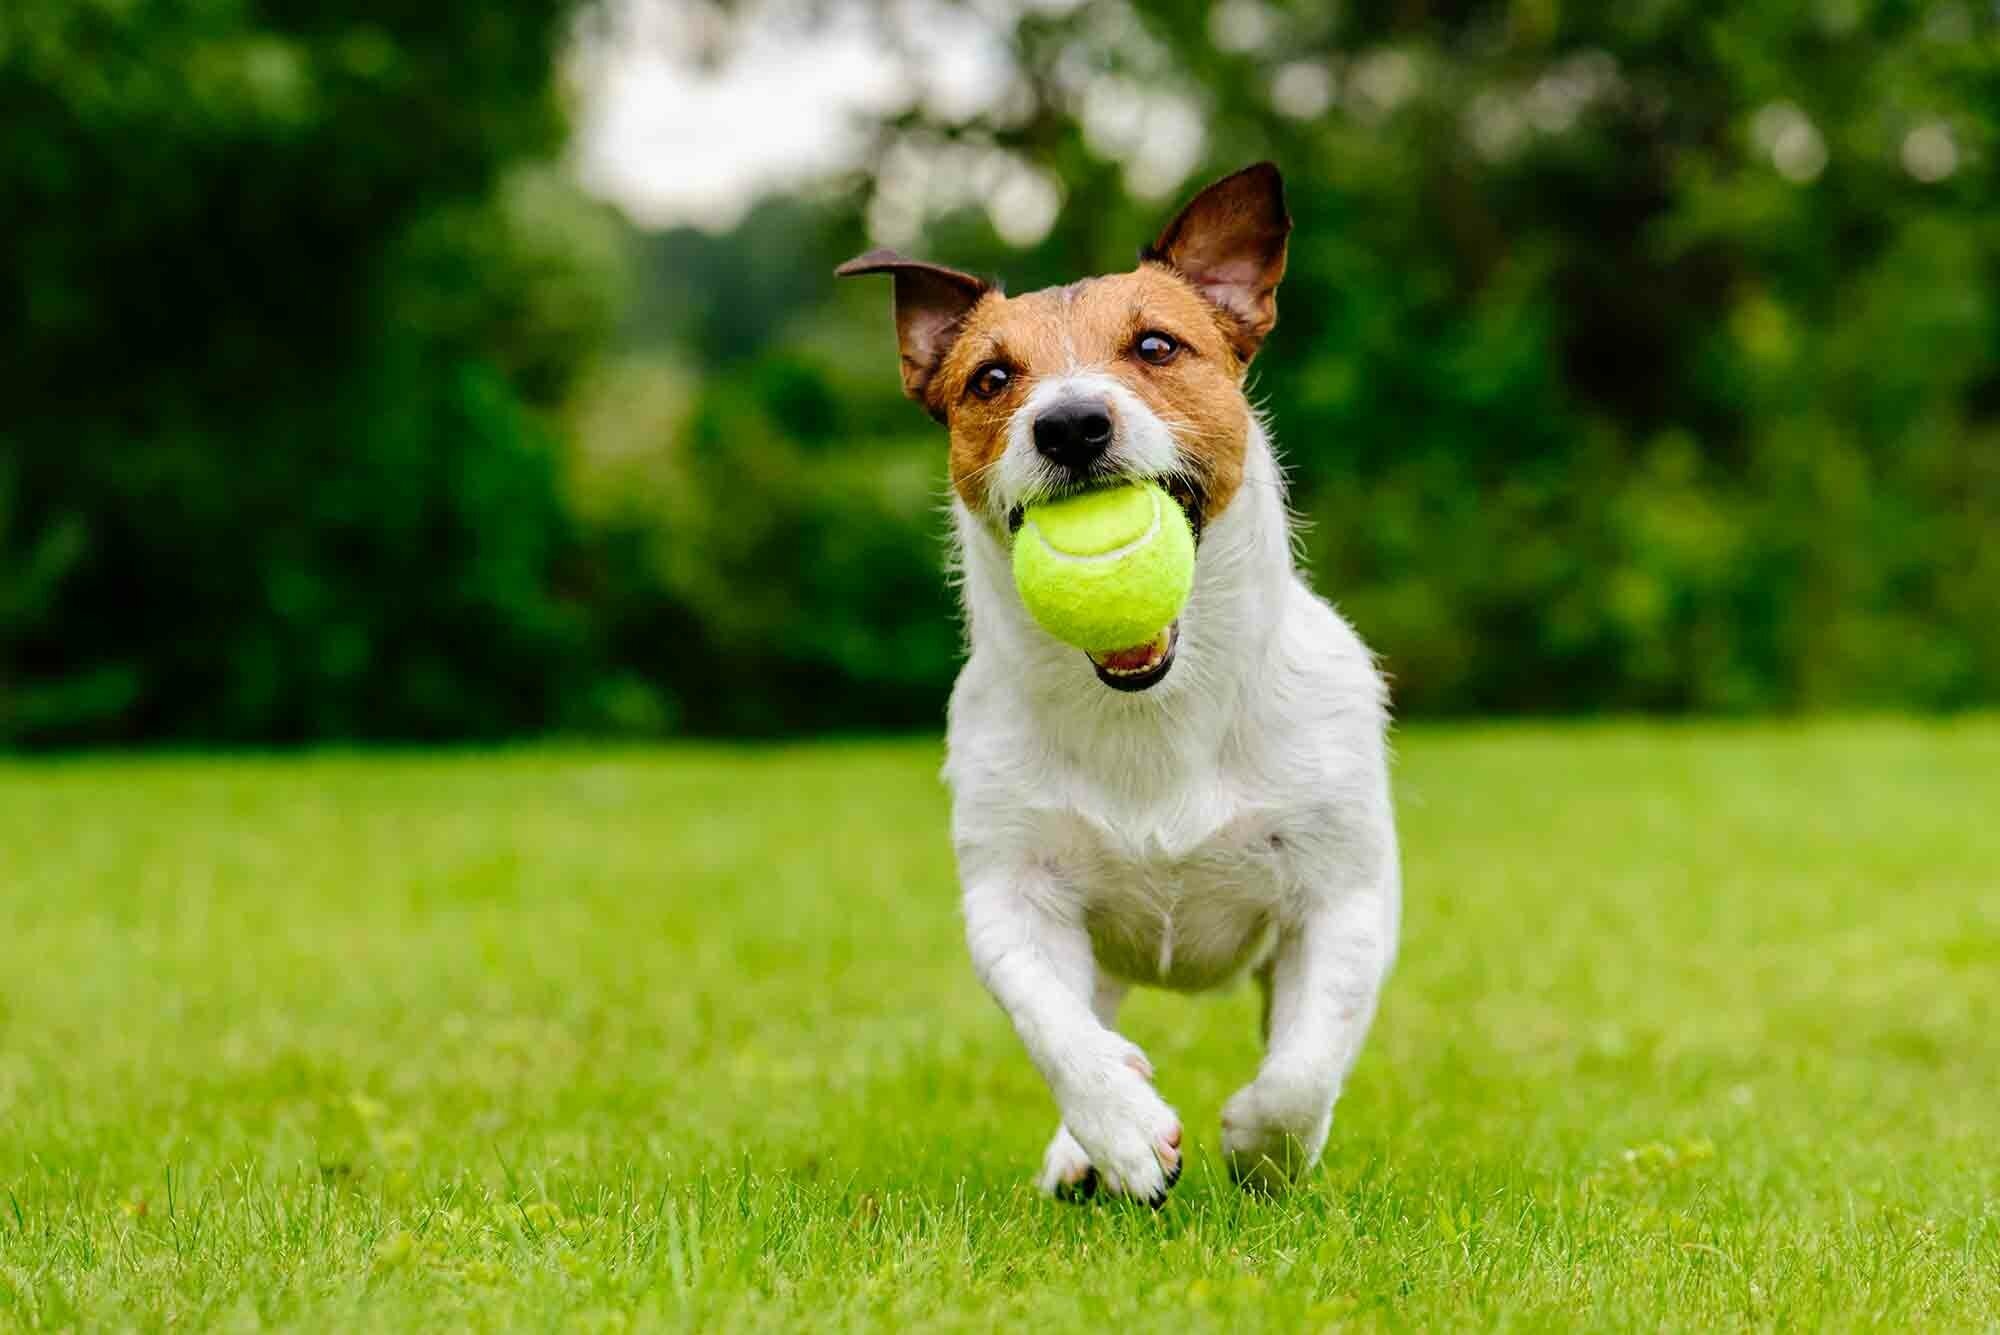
[1126, 1136]
[1273, 1130]
[1066, 1172]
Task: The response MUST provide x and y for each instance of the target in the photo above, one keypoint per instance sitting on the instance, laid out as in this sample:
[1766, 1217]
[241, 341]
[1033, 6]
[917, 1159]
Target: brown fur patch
[1092, 326]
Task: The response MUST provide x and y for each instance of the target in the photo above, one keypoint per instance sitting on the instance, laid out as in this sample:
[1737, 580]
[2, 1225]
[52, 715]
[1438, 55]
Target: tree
[286, 312]
[1630, 357]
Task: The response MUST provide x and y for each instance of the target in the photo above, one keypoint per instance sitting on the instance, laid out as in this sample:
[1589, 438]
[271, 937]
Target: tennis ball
[1106, 569]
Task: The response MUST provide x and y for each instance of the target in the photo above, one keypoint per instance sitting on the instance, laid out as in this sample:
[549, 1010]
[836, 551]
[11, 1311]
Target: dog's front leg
[1032, 951]
[1321, 987]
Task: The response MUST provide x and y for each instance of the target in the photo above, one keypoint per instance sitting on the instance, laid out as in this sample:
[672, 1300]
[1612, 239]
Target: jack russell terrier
[1219, 809]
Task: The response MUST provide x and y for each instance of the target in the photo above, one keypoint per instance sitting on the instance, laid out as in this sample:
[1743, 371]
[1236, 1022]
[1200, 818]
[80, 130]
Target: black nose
[1074, 432]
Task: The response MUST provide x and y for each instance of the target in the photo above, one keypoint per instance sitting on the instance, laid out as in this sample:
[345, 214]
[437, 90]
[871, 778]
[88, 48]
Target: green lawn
[1693, 1027]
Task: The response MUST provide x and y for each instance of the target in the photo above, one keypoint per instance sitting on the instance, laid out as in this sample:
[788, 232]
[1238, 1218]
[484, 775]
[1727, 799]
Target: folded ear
[1230, 243]
[931, 305]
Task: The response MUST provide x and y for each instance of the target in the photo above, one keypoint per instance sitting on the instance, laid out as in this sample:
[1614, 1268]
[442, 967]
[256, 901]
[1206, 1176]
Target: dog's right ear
[931, 305]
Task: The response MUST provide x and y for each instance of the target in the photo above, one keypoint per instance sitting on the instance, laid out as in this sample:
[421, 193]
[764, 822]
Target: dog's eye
[990, 379]
[1156, 347]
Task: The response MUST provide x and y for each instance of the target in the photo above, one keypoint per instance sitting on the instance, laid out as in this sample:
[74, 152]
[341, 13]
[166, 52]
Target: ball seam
[1109, 554]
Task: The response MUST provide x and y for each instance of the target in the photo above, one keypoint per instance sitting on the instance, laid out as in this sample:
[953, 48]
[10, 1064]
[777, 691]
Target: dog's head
[1136, 374]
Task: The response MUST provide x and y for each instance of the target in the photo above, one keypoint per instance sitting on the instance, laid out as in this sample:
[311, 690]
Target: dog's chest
[1175, 911]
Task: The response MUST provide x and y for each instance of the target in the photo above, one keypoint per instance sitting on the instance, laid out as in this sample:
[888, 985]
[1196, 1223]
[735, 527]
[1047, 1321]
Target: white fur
[1235, 817]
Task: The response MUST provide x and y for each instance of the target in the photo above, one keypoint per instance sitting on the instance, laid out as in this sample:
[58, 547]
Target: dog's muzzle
[1142, 666]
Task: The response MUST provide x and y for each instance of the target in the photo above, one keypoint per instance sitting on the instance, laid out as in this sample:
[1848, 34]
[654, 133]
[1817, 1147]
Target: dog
[1185, 813]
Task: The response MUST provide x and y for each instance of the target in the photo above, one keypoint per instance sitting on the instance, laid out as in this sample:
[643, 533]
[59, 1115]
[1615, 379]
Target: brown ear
[931, 305]
[1230, 243]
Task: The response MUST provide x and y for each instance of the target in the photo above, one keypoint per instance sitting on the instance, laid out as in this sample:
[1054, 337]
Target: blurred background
[432, 369]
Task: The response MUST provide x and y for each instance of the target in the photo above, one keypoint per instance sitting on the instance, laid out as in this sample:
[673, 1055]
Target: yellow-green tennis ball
[1106, 569]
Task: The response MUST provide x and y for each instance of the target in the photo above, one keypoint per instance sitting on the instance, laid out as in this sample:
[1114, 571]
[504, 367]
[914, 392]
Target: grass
[1694, 1028]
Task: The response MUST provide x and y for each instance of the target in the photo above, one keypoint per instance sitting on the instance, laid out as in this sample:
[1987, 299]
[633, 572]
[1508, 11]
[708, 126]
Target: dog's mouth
[1186, 494]
[1138, 668]
[1143, 666]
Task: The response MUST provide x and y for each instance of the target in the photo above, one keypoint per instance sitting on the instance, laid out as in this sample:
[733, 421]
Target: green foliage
[283, 323]
[1631, 357]
[686, 1039]
[776, 566]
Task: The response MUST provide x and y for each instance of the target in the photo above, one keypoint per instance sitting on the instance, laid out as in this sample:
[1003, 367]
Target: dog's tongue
[1136, 659]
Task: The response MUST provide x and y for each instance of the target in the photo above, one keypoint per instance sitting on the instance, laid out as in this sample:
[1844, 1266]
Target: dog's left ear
[1230, 243]
[931, 305]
